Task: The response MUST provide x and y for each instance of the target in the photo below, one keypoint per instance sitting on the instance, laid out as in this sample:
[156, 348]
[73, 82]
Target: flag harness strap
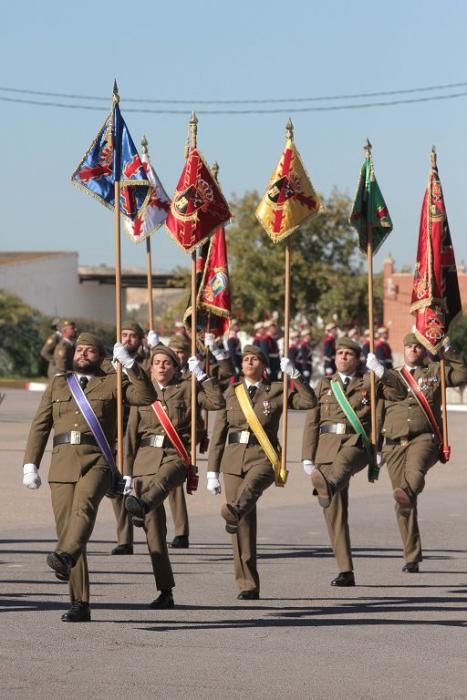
[422, 402]
[254, 423]
[352, 417]
[174, 437]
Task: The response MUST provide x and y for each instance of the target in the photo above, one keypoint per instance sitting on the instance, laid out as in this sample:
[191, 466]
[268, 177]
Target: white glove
[153, 339]
[375, 365]
[214, 485]
[210, 344]
[122, 355]
[128, 484]
[308, 466]
[31, 478]
[380, 460]
[288, 367]
[446, 343]
[194, 365]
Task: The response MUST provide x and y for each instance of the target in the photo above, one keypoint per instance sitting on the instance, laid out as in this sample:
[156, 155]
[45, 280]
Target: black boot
[78, 612]
[165, 600]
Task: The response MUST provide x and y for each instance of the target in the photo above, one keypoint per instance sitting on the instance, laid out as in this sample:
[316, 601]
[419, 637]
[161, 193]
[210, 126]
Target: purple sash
[92, 421]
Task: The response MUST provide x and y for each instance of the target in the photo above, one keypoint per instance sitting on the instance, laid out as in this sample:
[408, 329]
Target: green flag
[369, 211]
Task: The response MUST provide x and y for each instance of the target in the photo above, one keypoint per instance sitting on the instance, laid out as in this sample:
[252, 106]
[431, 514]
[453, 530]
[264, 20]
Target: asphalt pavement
[393, 635]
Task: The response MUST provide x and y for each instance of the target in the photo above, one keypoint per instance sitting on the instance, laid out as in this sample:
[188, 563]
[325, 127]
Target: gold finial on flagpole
[367, 148]
[289, 128]
[215, 170]
[434, 157]
[193, 129]
[144, 146]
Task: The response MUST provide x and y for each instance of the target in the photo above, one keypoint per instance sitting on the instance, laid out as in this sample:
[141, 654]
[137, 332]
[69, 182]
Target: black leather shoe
[164, 602]
[78, 612]
[248, 595]
[180, 542]
[345, 578]
[137, 510]
[62, 563]
[122, 549]
[322, 488]
[231, 518]
[411, 567]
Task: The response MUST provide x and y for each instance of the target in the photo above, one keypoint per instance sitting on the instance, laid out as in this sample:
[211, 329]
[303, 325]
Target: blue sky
[217, 50]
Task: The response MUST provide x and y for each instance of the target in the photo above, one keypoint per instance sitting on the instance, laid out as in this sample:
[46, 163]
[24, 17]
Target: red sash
[175, 439]
[426, 408]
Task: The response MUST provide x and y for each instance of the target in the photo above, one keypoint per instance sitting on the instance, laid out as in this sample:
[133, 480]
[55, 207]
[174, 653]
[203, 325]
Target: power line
[272, 110]
[271, 100]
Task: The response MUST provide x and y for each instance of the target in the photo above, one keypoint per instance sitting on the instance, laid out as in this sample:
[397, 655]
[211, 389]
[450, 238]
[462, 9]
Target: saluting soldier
[412, 436]
[154, 461]
[80, 474]
[62, 360]
[235, 450]
[335, 443]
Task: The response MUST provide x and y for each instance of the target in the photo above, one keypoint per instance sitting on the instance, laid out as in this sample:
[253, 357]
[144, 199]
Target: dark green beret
[349, 344]
[411, 339]
[168, 352]
[255, 350]
[90, 339]
[129, 325]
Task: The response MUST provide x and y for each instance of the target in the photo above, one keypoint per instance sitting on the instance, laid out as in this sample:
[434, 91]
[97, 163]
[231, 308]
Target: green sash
[356, 424]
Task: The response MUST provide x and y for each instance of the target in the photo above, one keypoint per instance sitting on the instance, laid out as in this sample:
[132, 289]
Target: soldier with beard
[79, 475]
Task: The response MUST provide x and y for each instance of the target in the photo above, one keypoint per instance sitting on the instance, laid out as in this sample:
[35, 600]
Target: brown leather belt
[404, 441]
[74, 437]
[155, 441]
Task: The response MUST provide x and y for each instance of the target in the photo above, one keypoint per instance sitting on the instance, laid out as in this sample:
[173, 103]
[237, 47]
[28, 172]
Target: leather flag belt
[74, 437]
[244, 437]
[404, 441]
[155, 441]
[336, 428]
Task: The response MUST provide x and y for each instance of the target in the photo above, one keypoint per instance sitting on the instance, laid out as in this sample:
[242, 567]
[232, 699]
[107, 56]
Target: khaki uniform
[62, 360]
[409, 461]
[340, 456]
[158, 470]
[79, 476]
[47, 352]
[246, 469]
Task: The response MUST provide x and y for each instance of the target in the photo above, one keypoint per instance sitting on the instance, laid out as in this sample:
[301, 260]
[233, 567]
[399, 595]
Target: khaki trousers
[407, 467]
[179, 511]
[243, 491]
[124, 524]
[349, 461]
[75, 507]
[153, 489]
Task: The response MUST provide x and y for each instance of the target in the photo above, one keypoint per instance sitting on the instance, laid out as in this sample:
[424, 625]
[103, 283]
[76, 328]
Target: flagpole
[118, 293]
[371, 326]
[144, 151]
[285, 379]
[442, 365]
[193, 131]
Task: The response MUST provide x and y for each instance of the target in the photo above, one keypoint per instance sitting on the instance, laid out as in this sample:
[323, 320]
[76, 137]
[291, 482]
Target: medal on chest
[365, 400]
[267, 409]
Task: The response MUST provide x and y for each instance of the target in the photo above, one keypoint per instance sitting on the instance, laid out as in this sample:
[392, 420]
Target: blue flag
[113, 157]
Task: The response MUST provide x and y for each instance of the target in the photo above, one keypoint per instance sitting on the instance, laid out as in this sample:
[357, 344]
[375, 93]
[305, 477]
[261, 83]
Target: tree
[20, 341]
[327, 267]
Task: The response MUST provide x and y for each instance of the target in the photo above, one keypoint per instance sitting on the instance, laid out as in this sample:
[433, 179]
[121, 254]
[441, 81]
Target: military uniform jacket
[63, 357]
[405, 419]
[322, 448]
[58, 410]
[143, 423]
[47, 351]
[267, 404]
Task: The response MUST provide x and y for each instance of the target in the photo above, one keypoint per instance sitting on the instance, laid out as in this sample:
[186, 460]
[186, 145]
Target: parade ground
[393, 635]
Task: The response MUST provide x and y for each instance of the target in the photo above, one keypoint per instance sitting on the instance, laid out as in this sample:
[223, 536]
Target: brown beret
[411, 339]
[255, 350]
[90, 339]
[349, 344]
[179, 342]
[129, 325]
[164, 350]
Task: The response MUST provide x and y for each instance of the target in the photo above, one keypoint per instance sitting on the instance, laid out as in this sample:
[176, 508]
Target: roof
[13, 257]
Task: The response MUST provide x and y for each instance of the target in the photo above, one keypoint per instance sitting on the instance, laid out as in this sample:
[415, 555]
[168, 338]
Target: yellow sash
[280, 475]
